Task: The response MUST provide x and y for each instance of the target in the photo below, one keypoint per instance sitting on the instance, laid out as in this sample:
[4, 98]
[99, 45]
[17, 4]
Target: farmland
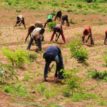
[24, 86]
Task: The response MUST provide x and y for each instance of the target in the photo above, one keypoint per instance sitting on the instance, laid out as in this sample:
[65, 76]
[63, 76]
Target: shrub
[66, 92]
[72, 82]
[16, 89]
[53, 105]
[51, 25]
[78, 51]
[98, 74]
[19, 57]
[7, 73]
[42, 89]
[83, 96]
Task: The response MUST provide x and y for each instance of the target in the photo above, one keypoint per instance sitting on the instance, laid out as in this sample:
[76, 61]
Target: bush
[7, 73]
[42, 89]
[83, 96]
[51, 25]
[78, 51]
[72, 82]
[19, 57]
[16, 89]
[98, 74]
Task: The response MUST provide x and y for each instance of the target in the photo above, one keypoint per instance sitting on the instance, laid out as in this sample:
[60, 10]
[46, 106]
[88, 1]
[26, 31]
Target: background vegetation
[75, 6]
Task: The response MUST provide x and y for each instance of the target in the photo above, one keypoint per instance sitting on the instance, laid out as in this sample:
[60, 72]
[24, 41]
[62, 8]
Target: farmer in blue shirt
[53, 53]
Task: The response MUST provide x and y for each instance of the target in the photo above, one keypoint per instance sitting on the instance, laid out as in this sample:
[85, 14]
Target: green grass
[83, 96]
[16, 90]
[78, 51]
[98, 75]
[102, 103]
[75, 6]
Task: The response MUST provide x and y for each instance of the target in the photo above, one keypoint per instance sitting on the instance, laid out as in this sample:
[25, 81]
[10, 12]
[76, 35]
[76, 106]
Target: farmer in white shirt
[37, 36]
[20, 20]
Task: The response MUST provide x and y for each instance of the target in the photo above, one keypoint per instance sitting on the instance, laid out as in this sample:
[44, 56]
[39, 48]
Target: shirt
[36, 32]
[50, 16]
[52, 50]
[20, 16]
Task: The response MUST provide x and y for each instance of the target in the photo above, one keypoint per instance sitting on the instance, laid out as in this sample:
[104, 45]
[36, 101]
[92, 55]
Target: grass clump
[72, 83]
[51, 25]
[99, 75]
[7, 73]
[78, 51]
[53, 105]
[19, 57]
[16, 89]
[83, 96]
[45, 91]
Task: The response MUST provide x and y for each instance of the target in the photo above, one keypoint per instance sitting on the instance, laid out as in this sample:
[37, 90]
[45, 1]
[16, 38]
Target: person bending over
[53, 53]
[36, 36]
[20, 20]
[58, 31]
[87, 33]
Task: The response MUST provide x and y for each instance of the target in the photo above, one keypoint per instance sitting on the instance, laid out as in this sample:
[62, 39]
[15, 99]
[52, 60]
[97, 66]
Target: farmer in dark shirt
[58, 31]
[58, 15]
[65, 19]
[53, 53]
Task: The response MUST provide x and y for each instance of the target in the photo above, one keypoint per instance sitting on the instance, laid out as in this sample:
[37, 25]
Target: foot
[45, 80]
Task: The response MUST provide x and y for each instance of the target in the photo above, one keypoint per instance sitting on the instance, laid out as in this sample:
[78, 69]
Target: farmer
[32, 27]
[53, 53]
[36, 35]
[65, 19]
[20, 20]
[87, 32]
[49, 19]
[58, 31]
[58, 15]
[105, 40]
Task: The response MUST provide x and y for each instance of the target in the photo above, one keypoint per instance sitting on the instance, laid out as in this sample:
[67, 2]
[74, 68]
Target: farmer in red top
[87, 32]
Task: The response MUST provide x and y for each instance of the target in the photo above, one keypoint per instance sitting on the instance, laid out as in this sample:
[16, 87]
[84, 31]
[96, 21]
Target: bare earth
[14, 38]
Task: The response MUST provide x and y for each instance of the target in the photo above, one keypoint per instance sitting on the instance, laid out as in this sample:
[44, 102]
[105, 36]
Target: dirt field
[14, 38]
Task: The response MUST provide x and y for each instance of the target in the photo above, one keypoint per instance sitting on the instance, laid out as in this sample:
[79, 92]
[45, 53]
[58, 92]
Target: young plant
[19, 57]
[17, 89]
[78, 51]
[72, 82]
[7, 73]
[99, 75]
[51, 25]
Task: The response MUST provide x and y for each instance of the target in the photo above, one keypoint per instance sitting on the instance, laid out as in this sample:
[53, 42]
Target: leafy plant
[53, 105]
[51, 25]
[98, 74]
[17, 89]
[83, 96]
[19, 57]
[78, 51]
[72, 82]
[7, 73]
[42, 89]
